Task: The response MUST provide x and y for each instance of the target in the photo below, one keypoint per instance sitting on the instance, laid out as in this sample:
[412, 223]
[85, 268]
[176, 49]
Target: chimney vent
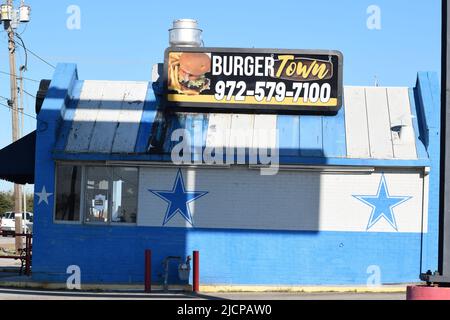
[185, 33]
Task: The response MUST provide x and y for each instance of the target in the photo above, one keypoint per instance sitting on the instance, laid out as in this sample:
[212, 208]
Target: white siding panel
[404, 142]
[219, 126]
[85, 116]
[107, 116]
[241, 134]
[264, 132]
[356, 130]
[105, 126]
[130, 117]
[380, 139]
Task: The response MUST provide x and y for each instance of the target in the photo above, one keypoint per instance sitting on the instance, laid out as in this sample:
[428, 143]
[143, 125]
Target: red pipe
[148, 270]
[196, 275]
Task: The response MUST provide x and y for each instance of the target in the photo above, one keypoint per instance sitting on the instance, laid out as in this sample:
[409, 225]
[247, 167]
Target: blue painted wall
[49, 125]
[427, 103]
[115, 254]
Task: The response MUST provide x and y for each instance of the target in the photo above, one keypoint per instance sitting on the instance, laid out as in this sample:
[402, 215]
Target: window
[97, 194]
[124, 195]
[10, 215]
[67, 193]
[107, 195]
[111, 194]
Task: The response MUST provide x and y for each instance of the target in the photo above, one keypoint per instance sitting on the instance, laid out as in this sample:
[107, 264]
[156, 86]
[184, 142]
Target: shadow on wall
[114, 253]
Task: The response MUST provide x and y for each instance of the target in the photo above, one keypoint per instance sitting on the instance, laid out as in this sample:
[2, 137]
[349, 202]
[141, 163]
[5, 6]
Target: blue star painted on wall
[382, 204]
[178, 199]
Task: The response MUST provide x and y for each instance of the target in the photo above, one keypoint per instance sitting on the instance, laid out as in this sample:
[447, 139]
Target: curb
[88, 287]
[305, 289]
[212, 288]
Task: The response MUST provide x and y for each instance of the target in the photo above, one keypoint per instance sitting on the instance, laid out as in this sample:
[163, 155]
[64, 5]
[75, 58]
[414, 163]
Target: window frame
[137, 198]
[84, 190]
[81, 220]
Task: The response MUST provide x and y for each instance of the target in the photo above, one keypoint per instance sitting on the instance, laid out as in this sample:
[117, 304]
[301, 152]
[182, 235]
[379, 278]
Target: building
[355, 198]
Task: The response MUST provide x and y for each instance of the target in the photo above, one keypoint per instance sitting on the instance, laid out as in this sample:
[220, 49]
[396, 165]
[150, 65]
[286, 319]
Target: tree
[6, 202]
[30, 202]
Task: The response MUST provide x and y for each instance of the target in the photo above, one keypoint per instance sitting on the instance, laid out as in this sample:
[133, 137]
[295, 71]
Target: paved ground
[21, 294]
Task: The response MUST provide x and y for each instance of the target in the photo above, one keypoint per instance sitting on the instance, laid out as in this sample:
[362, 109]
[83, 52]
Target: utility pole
[11, 19]
[15, 124]
[22, 110]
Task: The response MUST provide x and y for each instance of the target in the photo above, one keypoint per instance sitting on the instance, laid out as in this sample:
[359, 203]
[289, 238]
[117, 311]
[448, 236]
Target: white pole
[25, 199]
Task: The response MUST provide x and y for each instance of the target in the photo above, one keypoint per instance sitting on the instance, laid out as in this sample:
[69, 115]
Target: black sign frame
[221, 107]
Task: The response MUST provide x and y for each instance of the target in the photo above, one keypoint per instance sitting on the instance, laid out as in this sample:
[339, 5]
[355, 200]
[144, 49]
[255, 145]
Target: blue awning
[17, 160]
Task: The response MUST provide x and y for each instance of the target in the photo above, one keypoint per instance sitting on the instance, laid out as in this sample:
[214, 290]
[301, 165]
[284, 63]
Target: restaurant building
[354, 190]
[353, 198]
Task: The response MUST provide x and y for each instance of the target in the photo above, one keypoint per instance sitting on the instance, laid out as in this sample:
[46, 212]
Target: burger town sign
[255, 80]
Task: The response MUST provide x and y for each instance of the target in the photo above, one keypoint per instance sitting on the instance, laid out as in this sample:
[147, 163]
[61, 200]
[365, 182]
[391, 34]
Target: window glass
[109, 194]
[67, 193]
[124, 194]
[97, 194]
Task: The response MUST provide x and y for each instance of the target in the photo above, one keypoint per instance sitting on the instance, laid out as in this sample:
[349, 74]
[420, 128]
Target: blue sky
[122, 40]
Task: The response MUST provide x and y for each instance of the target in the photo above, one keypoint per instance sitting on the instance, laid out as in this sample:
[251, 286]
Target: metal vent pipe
[185, 33]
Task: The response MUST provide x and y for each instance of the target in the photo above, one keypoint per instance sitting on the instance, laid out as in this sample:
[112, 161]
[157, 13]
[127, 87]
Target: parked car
[8, 222]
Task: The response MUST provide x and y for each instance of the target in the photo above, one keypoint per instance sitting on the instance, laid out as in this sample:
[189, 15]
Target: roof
[106, 117]
[121, 119]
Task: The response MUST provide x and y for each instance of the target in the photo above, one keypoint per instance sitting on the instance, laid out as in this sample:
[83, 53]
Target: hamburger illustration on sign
[186, 74]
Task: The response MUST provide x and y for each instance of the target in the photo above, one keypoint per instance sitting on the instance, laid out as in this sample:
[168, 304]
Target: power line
[29, 79]
[25, 50]
[25, 114]
[24, 29]
[31, 95]
[37, 56]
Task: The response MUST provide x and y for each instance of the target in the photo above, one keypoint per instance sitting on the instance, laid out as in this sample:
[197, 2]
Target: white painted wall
[240, 198]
